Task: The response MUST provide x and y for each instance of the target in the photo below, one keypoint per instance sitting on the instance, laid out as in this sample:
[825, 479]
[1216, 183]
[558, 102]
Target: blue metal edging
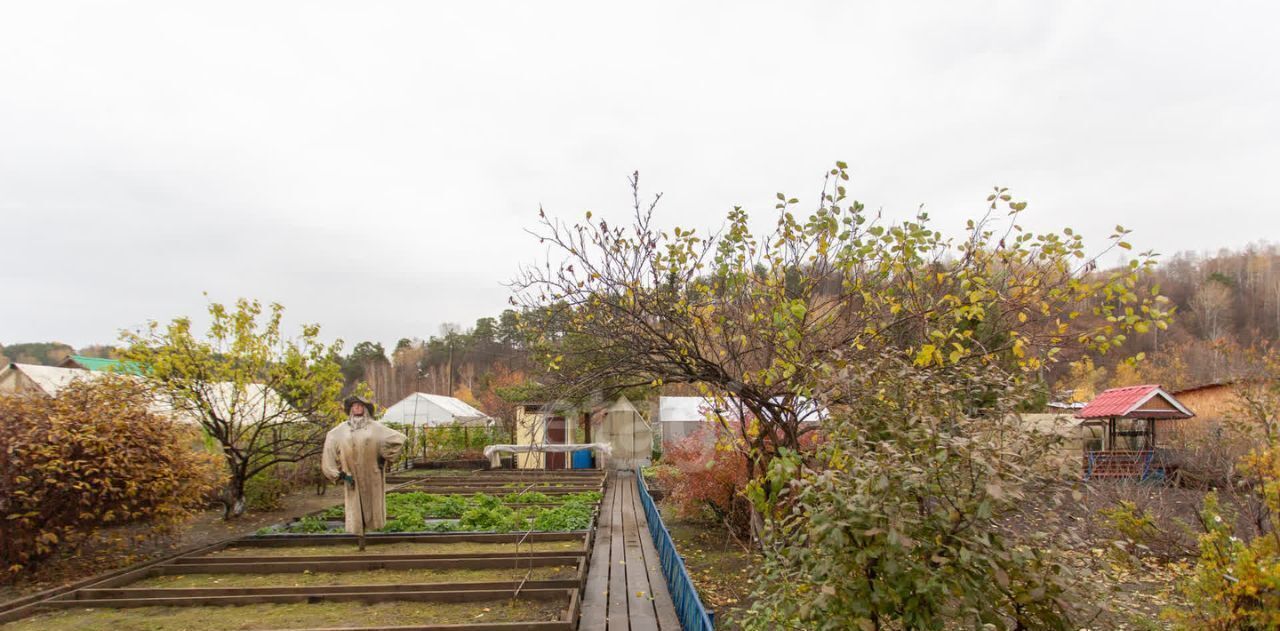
[693, 615]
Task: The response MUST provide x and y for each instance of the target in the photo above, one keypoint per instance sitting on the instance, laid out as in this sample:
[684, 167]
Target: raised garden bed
[422, 580]
[513, 571]
[414, 511]
[403, 548]
[334, 614]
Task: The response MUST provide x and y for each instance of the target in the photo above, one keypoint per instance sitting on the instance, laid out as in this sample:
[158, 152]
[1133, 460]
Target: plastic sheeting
[630, 435]
[603, 449]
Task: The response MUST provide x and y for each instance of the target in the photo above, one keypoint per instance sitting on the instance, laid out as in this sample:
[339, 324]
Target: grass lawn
[293, 615]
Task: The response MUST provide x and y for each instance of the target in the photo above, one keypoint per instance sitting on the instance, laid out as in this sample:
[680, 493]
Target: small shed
[433, 410]
[631, 437]
[1128, 418]
[541, 424]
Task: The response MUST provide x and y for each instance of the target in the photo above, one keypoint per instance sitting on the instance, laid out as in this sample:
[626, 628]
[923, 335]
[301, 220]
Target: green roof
[102, 364]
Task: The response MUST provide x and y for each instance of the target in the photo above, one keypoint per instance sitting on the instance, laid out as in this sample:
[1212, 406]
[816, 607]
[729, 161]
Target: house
[226, 397]
[1128, 419]
[36, 379]
[433, 410]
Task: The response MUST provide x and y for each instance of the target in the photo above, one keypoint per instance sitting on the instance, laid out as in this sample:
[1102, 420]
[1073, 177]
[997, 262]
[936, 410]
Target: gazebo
[1128, 416]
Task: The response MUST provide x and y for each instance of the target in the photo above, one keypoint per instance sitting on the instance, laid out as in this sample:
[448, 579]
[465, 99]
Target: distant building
[547, 424]
[432, 410]
[224, 396]
[1215, 404]
[1134, 422]
[101, 364]
[36, 379]
[680, 417]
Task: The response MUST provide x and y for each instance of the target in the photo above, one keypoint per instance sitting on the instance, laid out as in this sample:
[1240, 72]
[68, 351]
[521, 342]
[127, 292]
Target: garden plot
[528, 612]
[418, 511]
[482, 580]
[397, 549]
[512, 571]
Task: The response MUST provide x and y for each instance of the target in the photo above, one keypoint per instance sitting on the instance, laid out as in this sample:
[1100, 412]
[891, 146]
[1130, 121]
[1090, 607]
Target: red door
[555, 436]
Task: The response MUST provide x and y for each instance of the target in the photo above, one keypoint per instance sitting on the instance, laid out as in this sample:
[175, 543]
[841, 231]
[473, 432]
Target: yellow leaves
[926, 355]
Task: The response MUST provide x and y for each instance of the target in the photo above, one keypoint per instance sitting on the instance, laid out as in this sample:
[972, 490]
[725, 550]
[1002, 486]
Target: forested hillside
[1225, 303]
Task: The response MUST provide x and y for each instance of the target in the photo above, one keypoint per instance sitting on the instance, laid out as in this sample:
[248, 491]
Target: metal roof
[1128, 401]
[50, 379]
[672, 409]
[104, 364]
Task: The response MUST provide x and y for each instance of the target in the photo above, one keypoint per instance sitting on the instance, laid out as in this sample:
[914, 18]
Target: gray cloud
[305, 152]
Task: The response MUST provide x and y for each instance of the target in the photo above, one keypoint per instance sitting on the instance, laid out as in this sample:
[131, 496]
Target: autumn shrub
[94, 456]
[705, 474]
[266, 490]
[1145, 522]
[1236, 583]
[895, 522]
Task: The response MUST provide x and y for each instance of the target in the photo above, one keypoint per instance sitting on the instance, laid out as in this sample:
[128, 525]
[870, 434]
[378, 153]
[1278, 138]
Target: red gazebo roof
[1134, 402]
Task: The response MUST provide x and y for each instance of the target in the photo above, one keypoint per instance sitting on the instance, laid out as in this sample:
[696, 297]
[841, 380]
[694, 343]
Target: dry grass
[460, 547]
[299, 615]
[366, 577]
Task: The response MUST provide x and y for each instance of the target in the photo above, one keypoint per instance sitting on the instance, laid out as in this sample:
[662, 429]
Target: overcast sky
[372, 165]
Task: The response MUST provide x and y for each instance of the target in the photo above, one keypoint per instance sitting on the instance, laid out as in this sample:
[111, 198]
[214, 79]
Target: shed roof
[1134, 402]
[49, 379]
[102, 364]
[672, 409]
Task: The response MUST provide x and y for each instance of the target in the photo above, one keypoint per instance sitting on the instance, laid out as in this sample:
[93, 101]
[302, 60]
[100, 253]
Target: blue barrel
[582, 459]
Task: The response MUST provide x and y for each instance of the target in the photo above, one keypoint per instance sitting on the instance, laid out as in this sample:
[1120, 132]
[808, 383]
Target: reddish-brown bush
[706, 474]
[93, 456]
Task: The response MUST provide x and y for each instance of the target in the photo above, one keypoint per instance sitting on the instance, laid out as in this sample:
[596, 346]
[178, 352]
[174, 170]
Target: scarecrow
[358, 452]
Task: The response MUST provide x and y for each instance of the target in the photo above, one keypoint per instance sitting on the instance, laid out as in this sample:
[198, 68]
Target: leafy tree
[43, 353]
[263, 398]
[485, 332]
[96, 455]
[894, 522]
[768, 319]
[509, 329]
[364, 353]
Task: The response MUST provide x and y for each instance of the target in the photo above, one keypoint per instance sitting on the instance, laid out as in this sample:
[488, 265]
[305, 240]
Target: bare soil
[283, 616]
[126, 545]
[719, 566]
[366, 577]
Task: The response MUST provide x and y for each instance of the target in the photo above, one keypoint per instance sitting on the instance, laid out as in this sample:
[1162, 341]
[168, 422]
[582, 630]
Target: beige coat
[362, 448]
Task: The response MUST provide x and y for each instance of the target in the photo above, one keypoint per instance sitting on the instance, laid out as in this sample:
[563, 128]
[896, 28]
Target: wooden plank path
[625, 588]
